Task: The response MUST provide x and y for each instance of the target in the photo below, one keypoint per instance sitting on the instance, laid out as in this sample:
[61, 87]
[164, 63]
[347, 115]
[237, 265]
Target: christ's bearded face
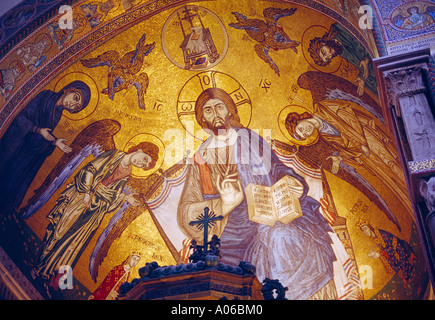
[216, 115]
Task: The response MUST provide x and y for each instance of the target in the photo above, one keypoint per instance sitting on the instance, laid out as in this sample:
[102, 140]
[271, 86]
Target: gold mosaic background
[266, 94]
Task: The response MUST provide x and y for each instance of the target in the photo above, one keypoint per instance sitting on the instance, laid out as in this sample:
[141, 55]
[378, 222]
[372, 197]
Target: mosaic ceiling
[121, 120]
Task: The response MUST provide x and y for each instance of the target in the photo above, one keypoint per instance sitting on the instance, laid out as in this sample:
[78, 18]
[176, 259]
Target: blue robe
[298, 254]
[23, 150]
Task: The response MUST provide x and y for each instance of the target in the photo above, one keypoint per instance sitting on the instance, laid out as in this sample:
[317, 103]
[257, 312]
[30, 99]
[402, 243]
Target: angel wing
[315, 157]
[274, 14]
[108, 58]
[322, 85]
[398, 20]
[93, 140]
[147, 187]
[329, 86]
[263, 53]
[141, 83]
[255, 28]
[430, 10]
[136, 57]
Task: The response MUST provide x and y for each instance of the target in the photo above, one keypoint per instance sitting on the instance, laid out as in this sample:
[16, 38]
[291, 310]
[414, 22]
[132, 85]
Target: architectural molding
[405, 94]
[13, 284]
[405, 81]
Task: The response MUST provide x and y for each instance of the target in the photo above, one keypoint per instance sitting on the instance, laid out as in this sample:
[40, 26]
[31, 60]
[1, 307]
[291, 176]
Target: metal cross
[204, 221]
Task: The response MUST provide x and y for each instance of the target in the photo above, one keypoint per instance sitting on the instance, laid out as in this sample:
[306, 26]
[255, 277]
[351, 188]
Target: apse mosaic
[406, 24]
[118, 132]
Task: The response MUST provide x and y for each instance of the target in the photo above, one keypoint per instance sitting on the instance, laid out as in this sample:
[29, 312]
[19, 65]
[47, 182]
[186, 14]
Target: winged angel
[415, 20]
[103, 185]
[268, 34]
[343, 135]
[123, 70]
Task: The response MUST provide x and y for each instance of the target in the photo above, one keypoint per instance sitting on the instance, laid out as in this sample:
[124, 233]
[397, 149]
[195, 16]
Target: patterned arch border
[11, 36]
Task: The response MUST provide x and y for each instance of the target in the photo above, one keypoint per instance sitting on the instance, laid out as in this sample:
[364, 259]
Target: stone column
[408, 93]
[408, 107]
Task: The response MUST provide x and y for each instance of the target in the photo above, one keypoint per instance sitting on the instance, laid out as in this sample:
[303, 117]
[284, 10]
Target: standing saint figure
[33, 54]
[29, 140]
[108, 289]
[9, 77]
[97, 190]
[339, 42]
[299, 254]
[396, 254]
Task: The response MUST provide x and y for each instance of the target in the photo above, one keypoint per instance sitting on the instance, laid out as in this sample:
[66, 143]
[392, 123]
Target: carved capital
[405, 81]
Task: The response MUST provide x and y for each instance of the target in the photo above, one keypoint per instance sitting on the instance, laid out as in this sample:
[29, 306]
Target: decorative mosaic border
[18, 277]
[421, 166]
[11, 36]
[377, 33]
[431, 76]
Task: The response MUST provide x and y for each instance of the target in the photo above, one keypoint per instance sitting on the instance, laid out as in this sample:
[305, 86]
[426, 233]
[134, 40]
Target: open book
[267, 205]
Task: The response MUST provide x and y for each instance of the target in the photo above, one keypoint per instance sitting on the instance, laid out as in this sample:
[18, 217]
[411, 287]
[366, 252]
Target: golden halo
[81, 23]
[174, 34]
[142, 137]
[95, 95]
[41, 36]
[403, 10]
[311, 33]
[281, 124]
[196, 85]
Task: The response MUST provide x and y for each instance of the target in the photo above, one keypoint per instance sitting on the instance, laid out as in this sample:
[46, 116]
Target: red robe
[113, 281]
